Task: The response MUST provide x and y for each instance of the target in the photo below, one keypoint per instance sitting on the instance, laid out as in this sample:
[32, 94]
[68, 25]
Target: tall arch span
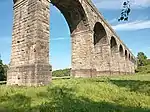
[90, 35]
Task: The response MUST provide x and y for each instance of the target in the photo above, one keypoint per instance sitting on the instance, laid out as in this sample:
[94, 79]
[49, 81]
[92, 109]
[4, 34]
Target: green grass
[144, 69]
[115, 94]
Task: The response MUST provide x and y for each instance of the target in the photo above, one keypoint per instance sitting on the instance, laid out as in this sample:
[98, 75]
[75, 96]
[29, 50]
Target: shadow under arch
[121, 50]
[113, 45]
[100, 35]
[129, 56]
[126, 54]
[74, 14]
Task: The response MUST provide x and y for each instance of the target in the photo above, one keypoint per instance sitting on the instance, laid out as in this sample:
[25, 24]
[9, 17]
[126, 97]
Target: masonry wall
[82, 54]
[30, 44]
[107, 62]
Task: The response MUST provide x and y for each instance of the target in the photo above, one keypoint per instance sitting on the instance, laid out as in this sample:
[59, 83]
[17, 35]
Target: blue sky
[135, 33]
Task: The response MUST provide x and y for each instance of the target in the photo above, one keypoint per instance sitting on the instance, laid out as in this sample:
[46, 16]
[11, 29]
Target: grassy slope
[115, 94]
[144, 69]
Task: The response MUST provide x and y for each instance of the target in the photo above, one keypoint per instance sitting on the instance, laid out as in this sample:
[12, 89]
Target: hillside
[143, 69]
[115, 94]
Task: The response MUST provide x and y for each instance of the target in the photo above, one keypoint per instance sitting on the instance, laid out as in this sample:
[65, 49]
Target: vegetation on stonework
[105, 94]
[61, 73]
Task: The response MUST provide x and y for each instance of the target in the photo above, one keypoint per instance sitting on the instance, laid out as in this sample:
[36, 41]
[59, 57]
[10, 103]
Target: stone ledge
[112, 73]
[29, 75]
[84, 73]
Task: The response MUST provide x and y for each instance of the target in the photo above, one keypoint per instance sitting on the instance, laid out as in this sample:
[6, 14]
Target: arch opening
[99, 34]
[129, 57]
[121, 51]
[126, 54]
[60, 43]
[75, 17]
[73, 13]
[113, 45]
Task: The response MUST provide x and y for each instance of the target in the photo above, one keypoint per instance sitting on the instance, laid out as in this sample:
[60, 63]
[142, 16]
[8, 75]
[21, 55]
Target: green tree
[61, 73]
[142, 59]
[148, 61]
[3, 71]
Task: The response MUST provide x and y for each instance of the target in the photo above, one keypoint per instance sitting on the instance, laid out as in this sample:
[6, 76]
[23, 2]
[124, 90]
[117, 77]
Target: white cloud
[141, 3]
[130, 49]
[61, 38]
[113, 21]
[108, 4]
[117, 4]
[131, 26]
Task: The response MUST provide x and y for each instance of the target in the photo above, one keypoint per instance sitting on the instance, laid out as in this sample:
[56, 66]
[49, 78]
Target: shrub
[61, 73]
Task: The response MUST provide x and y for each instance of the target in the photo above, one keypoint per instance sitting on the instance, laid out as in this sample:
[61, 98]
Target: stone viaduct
[96, 48]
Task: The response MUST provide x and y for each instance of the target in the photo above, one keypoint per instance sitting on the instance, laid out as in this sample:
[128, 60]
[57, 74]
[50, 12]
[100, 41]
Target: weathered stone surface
[95, 46]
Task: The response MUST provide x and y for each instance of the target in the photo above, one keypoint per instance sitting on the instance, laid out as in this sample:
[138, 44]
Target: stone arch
[99, 34]
[121, 50]
[113, 44]
[129, 56]
[77, 20]
[114, 55]
[74, 14]
[101, 46]
[33, 16]
[126, 54]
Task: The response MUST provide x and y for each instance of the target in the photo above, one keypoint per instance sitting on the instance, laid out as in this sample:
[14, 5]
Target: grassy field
[115, 94]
